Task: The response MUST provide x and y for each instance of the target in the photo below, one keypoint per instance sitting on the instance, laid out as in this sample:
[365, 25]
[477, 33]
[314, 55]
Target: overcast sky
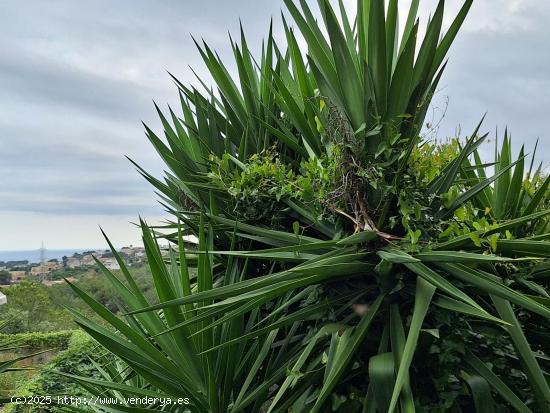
[77, 77]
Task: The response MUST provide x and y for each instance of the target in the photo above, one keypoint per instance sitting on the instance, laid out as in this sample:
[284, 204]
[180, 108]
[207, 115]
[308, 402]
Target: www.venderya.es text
[98, 400]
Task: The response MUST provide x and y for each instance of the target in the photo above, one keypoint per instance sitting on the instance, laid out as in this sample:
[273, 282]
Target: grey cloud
[64, 89]
[499, 64]
[77, 78]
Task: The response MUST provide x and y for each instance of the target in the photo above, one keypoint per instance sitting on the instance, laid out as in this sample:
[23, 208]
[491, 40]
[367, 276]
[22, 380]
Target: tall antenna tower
[42, 261]
[42, 254]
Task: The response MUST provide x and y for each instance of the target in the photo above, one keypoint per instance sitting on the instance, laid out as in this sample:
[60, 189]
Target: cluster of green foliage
[62, 273]
[23, 352]
[265, 181]
[15, 349]
[5, 277]
[62, 295]
[34, 307]
[30, 308]
[31, 342]
[343, 264]
[77, 357]
[35, 320]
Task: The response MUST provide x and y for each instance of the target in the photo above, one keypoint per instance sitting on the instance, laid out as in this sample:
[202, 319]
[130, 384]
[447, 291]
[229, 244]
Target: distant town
[53, 271]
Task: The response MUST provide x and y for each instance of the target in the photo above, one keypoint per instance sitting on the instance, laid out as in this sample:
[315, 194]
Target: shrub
[337, 269]
[76, 358]
[32, 342]
[30, 308]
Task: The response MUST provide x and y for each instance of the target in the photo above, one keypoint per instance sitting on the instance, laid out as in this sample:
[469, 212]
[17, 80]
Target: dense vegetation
[79, 355]
[34, 307]
[343, 262]
[35, 326]
[28, 351]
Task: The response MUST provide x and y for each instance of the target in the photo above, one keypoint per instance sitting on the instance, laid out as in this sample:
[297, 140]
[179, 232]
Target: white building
[110, 263]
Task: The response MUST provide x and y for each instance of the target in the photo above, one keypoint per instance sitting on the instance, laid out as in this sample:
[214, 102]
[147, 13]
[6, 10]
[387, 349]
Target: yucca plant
[333, 272]
[361, 90]
[519, 191]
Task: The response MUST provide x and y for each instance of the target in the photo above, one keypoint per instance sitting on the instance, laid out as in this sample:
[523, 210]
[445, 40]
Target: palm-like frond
[320, 296]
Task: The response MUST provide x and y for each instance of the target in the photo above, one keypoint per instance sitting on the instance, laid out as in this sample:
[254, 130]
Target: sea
[34, 256]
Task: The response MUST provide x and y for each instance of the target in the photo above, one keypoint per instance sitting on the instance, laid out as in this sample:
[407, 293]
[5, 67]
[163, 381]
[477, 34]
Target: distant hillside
[34, 255]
